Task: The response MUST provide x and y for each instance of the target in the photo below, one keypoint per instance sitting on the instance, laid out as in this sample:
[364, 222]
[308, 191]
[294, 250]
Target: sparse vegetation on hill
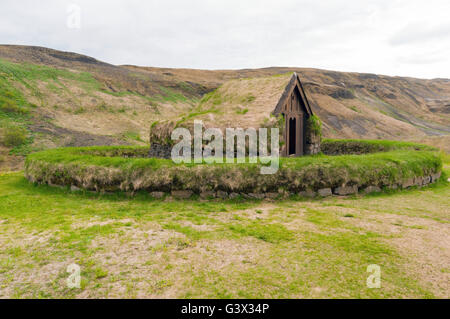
[56, 103]
[13, 136]
[67, 99]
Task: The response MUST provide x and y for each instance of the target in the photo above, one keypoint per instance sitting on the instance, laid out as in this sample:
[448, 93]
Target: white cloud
[421, 33]
[392, 37]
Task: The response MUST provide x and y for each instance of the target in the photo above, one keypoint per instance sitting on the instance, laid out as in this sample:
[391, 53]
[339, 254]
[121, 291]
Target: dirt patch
[423, 242]
[73, 138]
[199, 227]
[20, 253]
[10, 162]
[160, 263]
[95, 222]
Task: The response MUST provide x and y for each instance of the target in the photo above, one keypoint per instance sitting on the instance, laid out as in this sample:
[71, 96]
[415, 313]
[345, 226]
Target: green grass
[13, 101]
[28, 75]
[135, 136]
[314, 124]
[102, 155]
[369, 146]
[194, 114]
[242, 111]
[115, 170]
[139, 246]
[247, 99]
[354, 108]
[215, 97]
[13, 136]
[15, 110]
[170, 95]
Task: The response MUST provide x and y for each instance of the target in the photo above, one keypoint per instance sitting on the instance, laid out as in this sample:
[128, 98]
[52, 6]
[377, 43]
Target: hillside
[67, 99]
[351, 105]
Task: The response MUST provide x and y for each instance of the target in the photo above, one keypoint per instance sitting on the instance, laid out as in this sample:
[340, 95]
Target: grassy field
[141, 247]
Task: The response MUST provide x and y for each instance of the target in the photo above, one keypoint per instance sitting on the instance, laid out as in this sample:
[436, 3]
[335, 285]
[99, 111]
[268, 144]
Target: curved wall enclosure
[381, 164]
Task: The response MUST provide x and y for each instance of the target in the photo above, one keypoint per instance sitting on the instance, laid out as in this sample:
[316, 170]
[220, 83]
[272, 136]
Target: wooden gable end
[292, 96]
[295, 108]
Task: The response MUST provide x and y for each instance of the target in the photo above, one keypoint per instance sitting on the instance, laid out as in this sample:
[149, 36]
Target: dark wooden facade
[294, 106]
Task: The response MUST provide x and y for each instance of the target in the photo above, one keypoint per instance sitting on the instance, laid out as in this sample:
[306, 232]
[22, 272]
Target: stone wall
[325, 177]
[350, 147]
[160, 139]
[160, 151]
[312, 145]
[420, 181]
[161, 143]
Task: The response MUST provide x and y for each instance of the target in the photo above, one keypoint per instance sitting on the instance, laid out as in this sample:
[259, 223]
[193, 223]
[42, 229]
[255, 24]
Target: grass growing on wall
[314, 125]
[354, 146]
[126, 168]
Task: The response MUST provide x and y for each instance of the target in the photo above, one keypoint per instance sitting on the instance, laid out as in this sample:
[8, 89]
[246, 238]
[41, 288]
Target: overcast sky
[393, 37]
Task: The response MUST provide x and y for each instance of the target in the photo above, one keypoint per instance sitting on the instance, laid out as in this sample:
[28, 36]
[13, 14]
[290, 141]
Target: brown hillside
[78, 100]
[353, 104]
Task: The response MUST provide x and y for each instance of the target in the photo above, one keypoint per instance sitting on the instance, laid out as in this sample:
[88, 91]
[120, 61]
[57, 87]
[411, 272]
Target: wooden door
[300, 135]
[292, 136]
